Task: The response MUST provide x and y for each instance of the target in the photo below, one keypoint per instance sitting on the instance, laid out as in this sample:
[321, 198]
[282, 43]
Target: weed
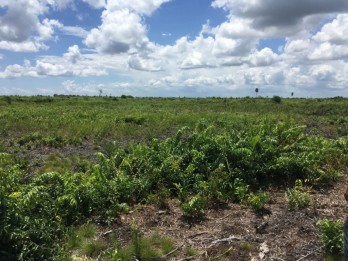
[191, 252]
[257, 201]
[331, 235]
[194, 208]
[298, 197]
[141, 248]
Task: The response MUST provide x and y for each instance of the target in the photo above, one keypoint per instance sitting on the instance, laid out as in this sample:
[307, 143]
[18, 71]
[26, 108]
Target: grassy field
[134, 119]
[71, 167]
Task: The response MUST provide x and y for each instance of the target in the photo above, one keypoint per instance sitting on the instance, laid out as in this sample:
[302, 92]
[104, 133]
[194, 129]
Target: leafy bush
[257, 201]
[276, 99]
[331, 235]
[199, 164]
[8, 100]
[298, 197]
[194, 208]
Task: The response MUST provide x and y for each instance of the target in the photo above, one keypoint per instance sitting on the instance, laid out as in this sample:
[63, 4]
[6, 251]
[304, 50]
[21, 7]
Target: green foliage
[190, 251]
[36, 139]
[219, 159]
[331, 235]
[194, 208]
[298, 197]
[257, 201]
[8, 100]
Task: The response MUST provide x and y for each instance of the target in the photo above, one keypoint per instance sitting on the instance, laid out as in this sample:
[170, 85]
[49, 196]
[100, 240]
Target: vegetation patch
[200, 153]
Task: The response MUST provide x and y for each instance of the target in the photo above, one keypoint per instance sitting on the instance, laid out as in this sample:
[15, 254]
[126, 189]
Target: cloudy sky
[192, 48]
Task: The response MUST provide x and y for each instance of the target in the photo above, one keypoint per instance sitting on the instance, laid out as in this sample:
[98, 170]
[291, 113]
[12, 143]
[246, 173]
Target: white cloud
[297, 46]
[328, 51]
[72, 63]
[96, 3]
[121, 30]
[145, 7]
[22, 29]
[144, 64]
[335, 32]
[46, 30]
[73, 55]
[73, 31]
[222, 57]
[21, 47]
[280, 14]
[71, 86]
[265, 57]
[19, 22]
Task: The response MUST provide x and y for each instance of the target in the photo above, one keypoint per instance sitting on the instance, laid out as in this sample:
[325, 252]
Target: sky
[174, 48]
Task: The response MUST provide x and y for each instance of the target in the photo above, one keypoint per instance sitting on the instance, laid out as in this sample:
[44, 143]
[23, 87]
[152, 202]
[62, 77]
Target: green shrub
[276, 99]
[8, 100]
[194, 208]
[331, 235]
[298, 197]
[257, 201]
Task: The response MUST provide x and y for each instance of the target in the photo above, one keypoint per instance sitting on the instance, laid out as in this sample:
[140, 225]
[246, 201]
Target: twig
[224, 253]
[187, 258]
[228, 239]
[310, 253]
[107, 233]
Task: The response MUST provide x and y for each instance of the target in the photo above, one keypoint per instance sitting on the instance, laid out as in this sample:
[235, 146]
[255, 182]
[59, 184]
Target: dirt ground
[235, 232]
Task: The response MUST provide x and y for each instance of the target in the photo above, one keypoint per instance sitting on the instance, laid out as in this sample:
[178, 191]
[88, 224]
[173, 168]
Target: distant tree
[276, 99]
[292, 94]
[100, 92]
[256, 91]
[8, 99]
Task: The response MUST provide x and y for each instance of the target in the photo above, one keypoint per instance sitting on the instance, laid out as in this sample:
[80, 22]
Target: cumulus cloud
[275, 13]
[72, 63]
[265, 57]
[329, 51]
[96, 3]
[22, 29]
[18, 23]
[229, 55]
[335, 32]
[144, 7]
[121, 30]
[71, 86]
[139, 63]
[73, 55]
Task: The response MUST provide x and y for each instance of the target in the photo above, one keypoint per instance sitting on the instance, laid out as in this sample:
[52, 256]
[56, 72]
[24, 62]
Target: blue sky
[193, 48]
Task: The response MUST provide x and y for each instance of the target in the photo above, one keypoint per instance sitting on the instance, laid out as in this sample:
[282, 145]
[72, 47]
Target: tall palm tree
[256, 91]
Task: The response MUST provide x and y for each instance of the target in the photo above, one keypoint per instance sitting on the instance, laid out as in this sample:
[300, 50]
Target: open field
[122, 178]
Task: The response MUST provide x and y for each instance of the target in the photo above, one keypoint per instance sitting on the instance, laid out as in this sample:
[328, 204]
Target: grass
[74, 119]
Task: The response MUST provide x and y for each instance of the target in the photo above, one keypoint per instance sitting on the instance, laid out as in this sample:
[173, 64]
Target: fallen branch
[228, 239]
[107, 233]
[187, 258]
